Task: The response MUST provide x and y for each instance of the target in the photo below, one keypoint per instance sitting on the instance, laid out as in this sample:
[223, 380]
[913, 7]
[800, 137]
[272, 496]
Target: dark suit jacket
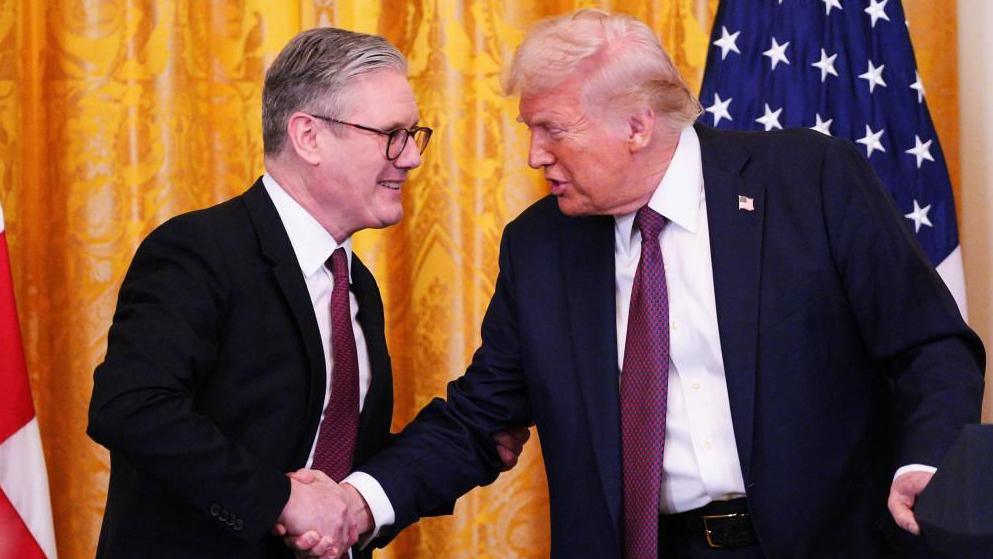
[845, 356]
[213, 385]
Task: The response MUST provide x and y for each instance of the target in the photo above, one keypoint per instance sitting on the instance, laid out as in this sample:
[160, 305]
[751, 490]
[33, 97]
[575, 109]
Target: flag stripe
[16, 408]
[15, 539]
[952, 272]
[24, 481]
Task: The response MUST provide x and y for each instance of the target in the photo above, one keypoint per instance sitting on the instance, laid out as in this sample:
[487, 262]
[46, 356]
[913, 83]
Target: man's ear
[641, 126]
[301, 134]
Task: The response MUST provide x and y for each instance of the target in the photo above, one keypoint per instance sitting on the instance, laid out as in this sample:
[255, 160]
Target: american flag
[844, 68]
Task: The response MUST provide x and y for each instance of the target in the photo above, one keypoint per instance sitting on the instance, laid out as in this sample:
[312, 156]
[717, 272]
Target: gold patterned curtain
[117, 114]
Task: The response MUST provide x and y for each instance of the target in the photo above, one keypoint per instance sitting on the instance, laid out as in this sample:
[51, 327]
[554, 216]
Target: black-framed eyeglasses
[396, 140]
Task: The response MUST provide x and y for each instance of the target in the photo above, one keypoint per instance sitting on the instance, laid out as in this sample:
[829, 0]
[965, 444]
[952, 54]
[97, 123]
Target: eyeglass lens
[398, 141]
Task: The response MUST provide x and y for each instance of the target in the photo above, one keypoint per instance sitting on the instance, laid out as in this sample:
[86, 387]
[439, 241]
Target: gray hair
[625, 63]
[313, 70]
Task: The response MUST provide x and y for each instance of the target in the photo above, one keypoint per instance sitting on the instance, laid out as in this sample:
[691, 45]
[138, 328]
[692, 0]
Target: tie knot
[649, 222]
[338, 264]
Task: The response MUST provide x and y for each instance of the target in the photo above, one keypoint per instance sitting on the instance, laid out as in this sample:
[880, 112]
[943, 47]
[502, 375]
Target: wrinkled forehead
[558, 99]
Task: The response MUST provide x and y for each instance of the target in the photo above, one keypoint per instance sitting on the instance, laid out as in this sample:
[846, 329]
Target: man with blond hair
[728, 342]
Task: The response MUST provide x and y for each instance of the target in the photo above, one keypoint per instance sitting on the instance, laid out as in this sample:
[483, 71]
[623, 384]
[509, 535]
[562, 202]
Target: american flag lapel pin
[746, 204]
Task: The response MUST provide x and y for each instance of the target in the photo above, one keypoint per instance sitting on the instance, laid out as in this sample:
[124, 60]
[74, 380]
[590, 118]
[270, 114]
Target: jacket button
[215, 509]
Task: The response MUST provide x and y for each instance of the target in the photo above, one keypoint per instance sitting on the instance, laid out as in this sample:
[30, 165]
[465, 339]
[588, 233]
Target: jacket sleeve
[162, 344]
[448, 450]
[907, 318]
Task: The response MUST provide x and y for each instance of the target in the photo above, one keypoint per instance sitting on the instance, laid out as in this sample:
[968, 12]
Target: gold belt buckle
[706, 527]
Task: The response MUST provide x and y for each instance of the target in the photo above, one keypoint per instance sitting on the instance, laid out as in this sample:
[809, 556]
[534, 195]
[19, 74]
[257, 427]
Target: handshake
[323, 519]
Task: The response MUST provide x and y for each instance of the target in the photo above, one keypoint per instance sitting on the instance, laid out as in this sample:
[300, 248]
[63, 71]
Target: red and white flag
[25, 510]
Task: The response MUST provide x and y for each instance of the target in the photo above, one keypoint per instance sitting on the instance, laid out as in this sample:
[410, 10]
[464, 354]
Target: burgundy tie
[339, 429]
[644, 386]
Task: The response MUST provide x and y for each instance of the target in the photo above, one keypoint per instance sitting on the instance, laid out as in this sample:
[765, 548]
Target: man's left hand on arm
[903, 495]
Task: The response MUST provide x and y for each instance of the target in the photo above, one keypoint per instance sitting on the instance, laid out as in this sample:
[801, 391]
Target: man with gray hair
[248, 340]
[728, 342]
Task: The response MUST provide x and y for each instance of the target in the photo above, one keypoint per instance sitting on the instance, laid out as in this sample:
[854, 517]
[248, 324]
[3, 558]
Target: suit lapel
[736, 253]
[587, 247]
[276, 247]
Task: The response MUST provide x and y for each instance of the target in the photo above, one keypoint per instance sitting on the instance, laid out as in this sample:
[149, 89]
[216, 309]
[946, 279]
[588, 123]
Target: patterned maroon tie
[644, 385]
[339, 429]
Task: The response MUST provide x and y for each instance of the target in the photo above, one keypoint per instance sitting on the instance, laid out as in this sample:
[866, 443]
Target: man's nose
[538, 156]
[410, 157]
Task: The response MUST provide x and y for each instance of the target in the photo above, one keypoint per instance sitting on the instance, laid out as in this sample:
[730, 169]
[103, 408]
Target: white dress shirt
[313, 245]
[700, 461]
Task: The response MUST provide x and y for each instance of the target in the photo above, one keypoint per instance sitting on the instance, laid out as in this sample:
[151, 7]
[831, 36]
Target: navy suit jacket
[213, 386]
[845, 357]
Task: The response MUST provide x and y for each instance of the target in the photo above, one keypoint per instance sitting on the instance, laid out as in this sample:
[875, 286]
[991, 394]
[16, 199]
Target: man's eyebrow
[396, 124]
[525, 122]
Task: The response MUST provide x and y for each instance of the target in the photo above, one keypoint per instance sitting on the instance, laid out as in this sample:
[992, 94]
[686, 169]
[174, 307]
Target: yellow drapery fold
[117, 114]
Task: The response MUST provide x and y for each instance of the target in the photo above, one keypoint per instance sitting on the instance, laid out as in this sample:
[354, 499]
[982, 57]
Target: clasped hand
[321, 518]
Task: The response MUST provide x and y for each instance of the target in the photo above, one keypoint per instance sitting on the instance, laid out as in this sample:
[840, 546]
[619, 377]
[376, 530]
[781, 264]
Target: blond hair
[624, 63]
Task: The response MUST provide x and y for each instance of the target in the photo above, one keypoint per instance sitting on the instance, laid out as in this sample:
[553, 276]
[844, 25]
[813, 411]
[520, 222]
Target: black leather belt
[721, 524]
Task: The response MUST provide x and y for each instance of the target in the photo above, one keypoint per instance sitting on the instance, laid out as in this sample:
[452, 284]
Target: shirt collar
[677, 197]
[311, 242]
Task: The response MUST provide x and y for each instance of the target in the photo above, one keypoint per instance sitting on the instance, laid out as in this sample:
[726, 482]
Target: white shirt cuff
[899, 472]
[379, 504]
